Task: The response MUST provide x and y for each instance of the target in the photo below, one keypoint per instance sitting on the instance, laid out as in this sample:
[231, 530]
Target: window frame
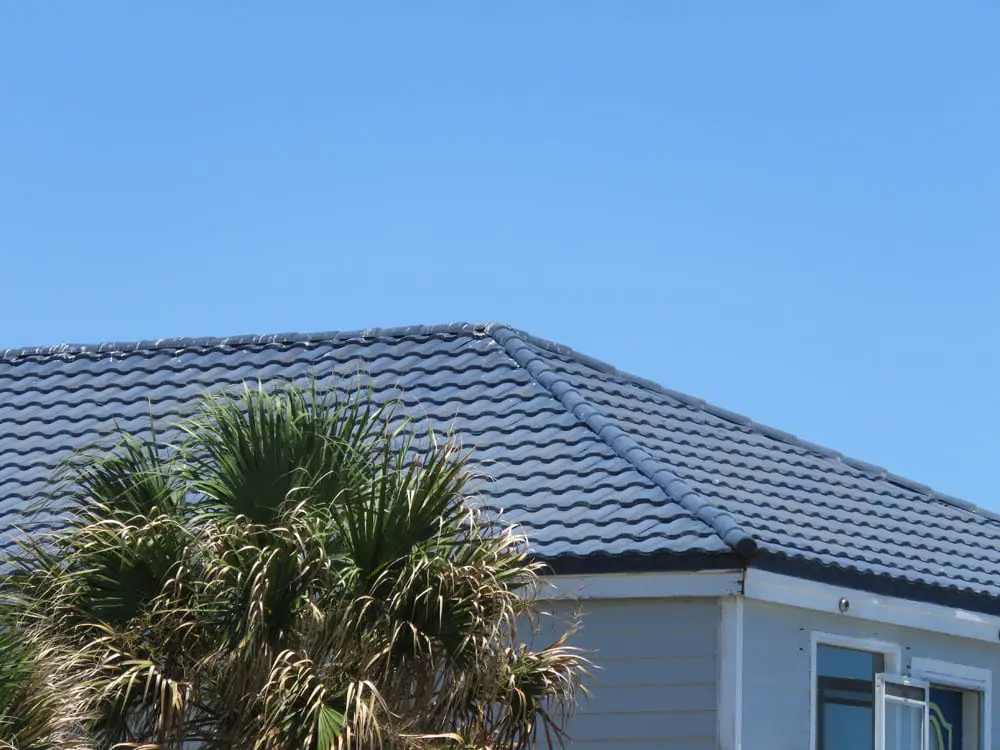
[960, 677]
[883, 697]
[891, 653]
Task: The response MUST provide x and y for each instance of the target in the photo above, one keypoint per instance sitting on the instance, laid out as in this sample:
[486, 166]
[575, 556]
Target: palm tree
[38, 710]
[292, 569]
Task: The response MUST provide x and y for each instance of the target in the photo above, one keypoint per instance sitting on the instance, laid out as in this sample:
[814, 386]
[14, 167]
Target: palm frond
[134, 477]
[247, 454]
[301, 569]
[40, 709]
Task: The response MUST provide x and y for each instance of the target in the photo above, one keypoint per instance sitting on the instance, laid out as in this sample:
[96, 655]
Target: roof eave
[875, 583]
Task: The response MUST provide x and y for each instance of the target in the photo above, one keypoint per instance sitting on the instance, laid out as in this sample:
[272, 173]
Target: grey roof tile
[795, 499]
[551, 473]
[597, 466]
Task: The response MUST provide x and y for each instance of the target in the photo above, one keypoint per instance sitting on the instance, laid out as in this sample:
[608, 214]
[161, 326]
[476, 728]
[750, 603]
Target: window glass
[904, 726]
[845, 682]
[955, 718]
[834, 661]
[846, 727]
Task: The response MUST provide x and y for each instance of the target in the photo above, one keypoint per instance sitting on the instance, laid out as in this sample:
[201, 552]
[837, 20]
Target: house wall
[656, 676]
[777, 666]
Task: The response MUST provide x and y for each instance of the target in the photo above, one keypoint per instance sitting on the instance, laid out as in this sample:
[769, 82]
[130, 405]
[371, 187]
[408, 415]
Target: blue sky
[789, 209]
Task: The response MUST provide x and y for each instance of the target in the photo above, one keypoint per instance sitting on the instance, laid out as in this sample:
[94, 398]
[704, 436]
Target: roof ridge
[209, 342]
[723, 524]
[771, 432]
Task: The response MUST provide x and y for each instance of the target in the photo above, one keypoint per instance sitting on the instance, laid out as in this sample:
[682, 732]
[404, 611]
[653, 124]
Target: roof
[604, 470]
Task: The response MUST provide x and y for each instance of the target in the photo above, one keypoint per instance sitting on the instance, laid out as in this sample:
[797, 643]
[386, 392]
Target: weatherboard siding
[656, 673]
[777, 666]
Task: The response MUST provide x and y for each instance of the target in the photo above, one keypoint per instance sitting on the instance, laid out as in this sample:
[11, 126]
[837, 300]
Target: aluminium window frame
[884, 697]
[891, 653]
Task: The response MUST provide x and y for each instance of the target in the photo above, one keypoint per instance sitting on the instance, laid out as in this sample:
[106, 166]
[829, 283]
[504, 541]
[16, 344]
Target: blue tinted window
[833, 661]
[845, 681]
[847, 727]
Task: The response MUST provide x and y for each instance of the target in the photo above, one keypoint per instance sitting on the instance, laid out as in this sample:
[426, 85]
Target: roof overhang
[697, 583]
[755, 584]
[841, 601]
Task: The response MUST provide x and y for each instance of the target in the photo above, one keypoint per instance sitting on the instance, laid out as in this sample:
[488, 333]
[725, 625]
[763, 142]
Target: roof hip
[723, 524]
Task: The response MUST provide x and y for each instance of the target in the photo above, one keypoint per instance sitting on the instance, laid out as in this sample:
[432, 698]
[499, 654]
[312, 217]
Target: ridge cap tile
[240, 340]
[724, 525]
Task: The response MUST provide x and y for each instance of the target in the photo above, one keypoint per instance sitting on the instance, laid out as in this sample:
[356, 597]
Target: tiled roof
[604, 470]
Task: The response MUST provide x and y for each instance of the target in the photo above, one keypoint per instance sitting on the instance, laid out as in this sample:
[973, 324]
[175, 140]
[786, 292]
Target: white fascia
[797, 592]
[710, 583]
[776, 588]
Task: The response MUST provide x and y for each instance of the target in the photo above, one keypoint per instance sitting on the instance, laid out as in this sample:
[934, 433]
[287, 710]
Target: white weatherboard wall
[777, 666]
[657, 675]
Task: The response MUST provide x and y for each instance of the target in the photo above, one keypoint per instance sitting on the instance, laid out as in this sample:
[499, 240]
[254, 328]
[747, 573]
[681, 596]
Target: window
[845, 697]
[959, 704]
[900, 713]
[861, 701]
[954, 718]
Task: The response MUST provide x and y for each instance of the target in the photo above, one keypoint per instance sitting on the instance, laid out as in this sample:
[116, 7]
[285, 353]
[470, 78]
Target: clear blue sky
[791, 209]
